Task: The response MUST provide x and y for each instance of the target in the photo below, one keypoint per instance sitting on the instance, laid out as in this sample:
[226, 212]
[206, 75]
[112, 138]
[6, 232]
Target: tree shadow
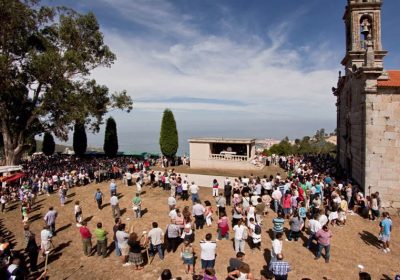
[370, 239]
[63, 228]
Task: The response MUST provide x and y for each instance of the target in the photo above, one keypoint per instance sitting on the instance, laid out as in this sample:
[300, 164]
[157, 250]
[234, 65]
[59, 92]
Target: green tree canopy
[46, 57]
[48, 146]
[110, 146]
[168, 134]
[79, 139]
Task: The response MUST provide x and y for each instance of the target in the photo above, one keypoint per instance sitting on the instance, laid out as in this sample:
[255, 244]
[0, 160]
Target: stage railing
[228, 157]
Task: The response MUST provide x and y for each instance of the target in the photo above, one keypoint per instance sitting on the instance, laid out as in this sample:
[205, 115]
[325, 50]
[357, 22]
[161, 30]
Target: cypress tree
[79, 139]
[168, 134]
[111, 138]
[49, 145]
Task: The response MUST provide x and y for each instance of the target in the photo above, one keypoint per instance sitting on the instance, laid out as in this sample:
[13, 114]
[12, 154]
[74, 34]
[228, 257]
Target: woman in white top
[242, 273]
[250, 213]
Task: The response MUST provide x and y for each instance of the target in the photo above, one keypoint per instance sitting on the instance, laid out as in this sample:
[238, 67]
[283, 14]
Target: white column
[248, 151]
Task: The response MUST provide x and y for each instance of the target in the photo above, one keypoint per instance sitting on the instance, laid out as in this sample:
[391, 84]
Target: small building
[222, 153]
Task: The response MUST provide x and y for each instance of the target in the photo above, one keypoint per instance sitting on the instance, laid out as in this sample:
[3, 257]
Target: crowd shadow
[35, 217]
[105, 205]
[63, 228]
[12, 207]
[144, 212]
[36, 207]
[71, 195]
[122, 211]
[369, 239]
[386, 277]
[87, 219]
[68, 202]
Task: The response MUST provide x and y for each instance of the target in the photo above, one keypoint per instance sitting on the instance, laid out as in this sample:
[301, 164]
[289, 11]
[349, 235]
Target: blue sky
[226, 68]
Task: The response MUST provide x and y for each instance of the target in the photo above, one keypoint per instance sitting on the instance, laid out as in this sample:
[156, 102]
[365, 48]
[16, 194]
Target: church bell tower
[363, 35]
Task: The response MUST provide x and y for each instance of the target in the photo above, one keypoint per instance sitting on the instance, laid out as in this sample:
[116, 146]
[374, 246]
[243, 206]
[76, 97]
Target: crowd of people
[308, 200]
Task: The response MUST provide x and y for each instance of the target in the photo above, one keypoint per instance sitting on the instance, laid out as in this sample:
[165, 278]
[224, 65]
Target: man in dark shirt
[235, 263]
[228, 193]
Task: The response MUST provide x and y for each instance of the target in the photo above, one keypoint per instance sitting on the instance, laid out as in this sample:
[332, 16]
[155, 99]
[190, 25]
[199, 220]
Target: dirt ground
[354, 244]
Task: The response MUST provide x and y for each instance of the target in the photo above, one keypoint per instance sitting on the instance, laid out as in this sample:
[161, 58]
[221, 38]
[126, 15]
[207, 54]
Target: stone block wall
[382, 166]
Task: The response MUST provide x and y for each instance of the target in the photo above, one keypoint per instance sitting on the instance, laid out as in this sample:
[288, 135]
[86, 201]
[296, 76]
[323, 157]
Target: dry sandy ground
[353, 244]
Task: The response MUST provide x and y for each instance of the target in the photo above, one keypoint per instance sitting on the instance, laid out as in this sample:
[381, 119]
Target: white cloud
[271, 78]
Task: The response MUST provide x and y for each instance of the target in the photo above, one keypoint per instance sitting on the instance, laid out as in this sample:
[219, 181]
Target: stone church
[368, 106]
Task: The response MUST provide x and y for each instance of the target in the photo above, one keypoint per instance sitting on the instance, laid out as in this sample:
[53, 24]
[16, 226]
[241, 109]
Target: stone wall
[382, 167]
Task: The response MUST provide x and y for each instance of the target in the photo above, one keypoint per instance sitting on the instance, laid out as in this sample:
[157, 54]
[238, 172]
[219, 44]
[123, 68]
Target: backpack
[257, 229]
[98, 195]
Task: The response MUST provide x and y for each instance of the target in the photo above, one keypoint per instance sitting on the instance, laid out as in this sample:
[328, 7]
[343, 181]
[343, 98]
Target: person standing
[113, 188]
[240, 236]
[215, 188]
[278, 223]
[98, 197]
[194, 191]
[198, 213]
[385, 230]
[171, 202]
[260, 208]
[156, 237]
[221, 203]
[187, 253]
[228, 192]
[314, 226]
[277, 197]
[296, 224]
[45, 239]
[136, 246]
[242, 273]
[280, 268]
[185, 191]
[78, 213]
[324, 236]
[86, 239]
[117, 222]
[173, 235]
[208, 251]
[137, 205]
[31, 248]
[276, 246]
[255, 233]
[122, 239]
[114, 202]
[101, 236]
[50, 219]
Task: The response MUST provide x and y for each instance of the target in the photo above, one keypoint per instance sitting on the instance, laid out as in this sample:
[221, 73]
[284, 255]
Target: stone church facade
[368, 106]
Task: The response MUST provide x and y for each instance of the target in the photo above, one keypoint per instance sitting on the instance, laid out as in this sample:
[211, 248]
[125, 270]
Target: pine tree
[111, 138]
[168, 135]
[79, 139]
[49, 145]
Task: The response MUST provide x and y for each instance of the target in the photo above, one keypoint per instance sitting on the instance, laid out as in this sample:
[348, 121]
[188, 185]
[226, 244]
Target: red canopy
[13, 177]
